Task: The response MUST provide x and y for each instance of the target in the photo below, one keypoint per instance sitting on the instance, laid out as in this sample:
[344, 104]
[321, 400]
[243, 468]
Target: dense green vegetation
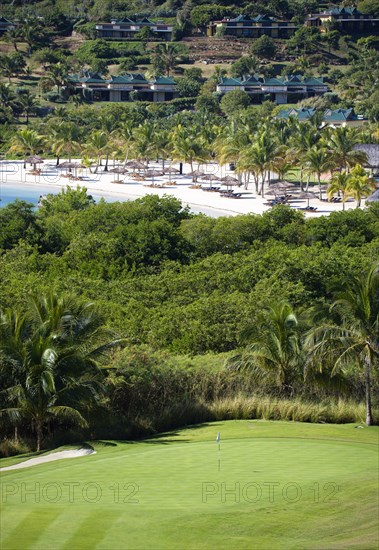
[173, 286]
[213, 318]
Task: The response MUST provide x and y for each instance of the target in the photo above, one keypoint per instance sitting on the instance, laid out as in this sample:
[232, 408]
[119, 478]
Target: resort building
[6, 25]
[280, 90]
[124, 88]
[333, 118]
[244, 27]
[125, 29]
[344, 19]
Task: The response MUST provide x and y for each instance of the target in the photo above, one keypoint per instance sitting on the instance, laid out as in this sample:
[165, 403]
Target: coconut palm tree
[27, 142]
[68, 140]
[341, 142]
[167, 56]
[125, 135]
[56, 76]
[28, 105]
[340, 183]
[354, 339]
[304, 137]
[53, 354]
[97, 145]
[12, 36]
[187, 148]
[261, 157]
[317, 161]
[360, 184]
[274, 355]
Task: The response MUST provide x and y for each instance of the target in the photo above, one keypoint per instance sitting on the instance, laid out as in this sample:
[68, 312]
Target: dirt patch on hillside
[216, 50]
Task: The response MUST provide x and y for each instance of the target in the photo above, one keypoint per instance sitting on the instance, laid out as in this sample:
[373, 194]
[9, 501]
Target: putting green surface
[280, 485]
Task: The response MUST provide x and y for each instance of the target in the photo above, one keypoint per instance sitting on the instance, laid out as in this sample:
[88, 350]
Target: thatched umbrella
[118, 170]
[196, 174]
[136, 165]
[154, 174]
[69, 166]
[34, 160]
[171, 170]
[210, 178]
[306, 195]
[229, 181]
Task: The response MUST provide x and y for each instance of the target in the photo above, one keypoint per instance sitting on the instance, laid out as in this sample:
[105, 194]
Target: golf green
[279, 485]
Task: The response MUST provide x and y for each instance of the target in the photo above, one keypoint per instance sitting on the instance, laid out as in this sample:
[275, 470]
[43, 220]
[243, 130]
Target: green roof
[163, 80]
[230, 81]
[339, 115]
[273, 82]
[300, 114]
[314, 81]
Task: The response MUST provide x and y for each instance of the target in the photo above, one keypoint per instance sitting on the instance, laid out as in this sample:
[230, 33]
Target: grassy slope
[168, 475]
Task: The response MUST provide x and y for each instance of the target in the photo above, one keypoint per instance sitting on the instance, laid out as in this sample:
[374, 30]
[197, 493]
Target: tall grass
[270, 408]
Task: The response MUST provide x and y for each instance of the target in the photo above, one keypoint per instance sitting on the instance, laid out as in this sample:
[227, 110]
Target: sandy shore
[102, 184]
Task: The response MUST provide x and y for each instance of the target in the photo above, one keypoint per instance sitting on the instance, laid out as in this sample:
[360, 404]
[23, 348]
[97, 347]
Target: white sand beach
[103, 184]
[75, 453]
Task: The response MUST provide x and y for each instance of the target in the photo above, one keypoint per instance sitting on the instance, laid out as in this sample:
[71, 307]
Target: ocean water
[32, 194]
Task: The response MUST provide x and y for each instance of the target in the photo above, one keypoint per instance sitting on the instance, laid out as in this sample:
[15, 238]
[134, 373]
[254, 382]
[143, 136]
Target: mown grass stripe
[90, 532]
[29, 529]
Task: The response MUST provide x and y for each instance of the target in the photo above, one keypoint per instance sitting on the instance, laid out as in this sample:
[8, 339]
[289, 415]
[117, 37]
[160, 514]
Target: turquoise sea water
[28, 193]
[31, 193]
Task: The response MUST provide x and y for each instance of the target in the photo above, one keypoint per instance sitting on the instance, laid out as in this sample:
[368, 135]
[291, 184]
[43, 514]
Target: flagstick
[219, 456]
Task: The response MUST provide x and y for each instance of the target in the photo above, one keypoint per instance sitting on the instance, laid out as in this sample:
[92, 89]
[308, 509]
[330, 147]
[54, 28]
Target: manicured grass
[295, 486]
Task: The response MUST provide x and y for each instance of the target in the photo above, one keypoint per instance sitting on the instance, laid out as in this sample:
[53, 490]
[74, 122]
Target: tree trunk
[39, 434]
[319, 185]
[368, 392]
[16, 434]
[106, 163]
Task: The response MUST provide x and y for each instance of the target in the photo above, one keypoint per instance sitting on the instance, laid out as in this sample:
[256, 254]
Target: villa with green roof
[344, 19]
[290, 89]
[244, 27]
[333, 118]
[119, 88]
[125, 29]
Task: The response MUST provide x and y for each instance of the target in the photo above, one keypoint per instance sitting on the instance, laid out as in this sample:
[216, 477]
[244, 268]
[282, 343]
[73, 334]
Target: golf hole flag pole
[218, 441]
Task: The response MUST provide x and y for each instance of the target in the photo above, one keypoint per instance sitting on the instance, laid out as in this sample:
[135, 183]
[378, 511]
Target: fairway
[280, 485]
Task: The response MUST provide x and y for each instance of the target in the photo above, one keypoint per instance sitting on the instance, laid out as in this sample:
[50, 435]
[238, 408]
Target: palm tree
[125, 134]
[274, 354]
[12, 36]
[108, 126]
[187, 147]
[166, 55]
[261, 157]
[27, 142]
[28, 104]
[304, 137]
[7, 96]
[68, 140]
[53, 353]
[8, 66]
[97, 145]
[360, 184]
[317, 161]
[354, 339]
[56, 76]
[341, 142]
[340, 183]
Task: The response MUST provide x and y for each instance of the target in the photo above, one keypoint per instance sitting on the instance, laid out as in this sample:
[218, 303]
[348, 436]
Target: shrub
[10, 447]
